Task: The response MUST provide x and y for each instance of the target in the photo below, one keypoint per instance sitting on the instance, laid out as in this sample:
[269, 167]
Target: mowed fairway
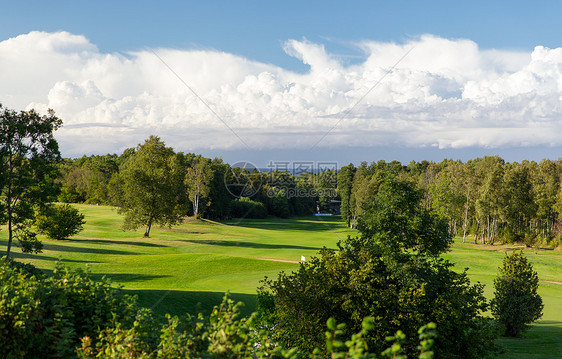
[197, 261]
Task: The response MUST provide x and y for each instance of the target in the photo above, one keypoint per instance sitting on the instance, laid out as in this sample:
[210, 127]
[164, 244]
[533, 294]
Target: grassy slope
[197, 261]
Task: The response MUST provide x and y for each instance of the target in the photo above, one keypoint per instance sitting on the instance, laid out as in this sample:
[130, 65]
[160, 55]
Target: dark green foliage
[60, 221]
[246, 208]
[326, 182]
[25, 268]
[225, 335]
[396, 218]
[45, 317]
[486, 198]
[28, 152]
[222, 335]
[218, 197]
[516, 302]
[86, 179]
[279, 203]
[345, 187]
[27, 240]
[518, 205]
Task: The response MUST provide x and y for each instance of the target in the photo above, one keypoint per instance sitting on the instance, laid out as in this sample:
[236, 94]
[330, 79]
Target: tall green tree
[218, 204]
[516, 302]
[28, 153]
[546, 180]
[447, 196]
[396, 218]
[490, 201]
[518, 205]
[152, 182]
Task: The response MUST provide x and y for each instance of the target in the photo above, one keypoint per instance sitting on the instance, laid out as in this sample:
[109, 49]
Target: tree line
[486, 198]
[166, 185]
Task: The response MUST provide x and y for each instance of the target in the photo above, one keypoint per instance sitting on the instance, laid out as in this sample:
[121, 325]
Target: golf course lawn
[197, 261]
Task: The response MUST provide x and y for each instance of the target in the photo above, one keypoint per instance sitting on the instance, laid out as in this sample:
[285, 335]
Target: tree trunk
[196, 205]
[487, 236]
[148, 226]
[10, 231]
[465, 216]
[494, 232]
[9, 202]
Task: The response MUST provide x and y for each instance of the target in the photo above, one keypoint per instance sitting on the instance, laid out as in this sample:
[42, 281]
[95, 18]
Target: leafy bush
[223, 335]
[25, 268]
[516, 302]
[396, 218]
[246, 208]
[401, 293]
[279, 203]
[60, 221]
[45, 317]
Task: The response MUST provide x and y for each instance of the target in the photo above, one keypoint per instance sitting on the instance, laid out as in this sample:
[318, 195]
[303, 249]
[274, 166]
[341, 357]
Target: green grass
[193, 262]
[197, 261]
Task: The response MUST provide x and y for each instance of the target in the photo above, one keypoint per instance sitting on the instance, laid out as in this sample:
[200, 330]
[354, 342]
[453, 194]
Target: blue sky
[257, 29]
[290, 60]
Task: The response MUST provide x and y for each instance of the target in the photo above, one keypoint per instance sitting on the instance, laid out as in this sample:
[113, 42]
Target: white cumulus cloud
[445, 93]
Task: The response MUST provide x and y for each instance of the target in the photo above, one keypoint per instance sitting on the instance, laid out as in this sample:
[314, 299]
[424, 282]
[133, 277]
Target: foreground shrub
[25, 268]
[60, 221]
[45, 316]
[223, 335]
[516, 302]
[401, 293]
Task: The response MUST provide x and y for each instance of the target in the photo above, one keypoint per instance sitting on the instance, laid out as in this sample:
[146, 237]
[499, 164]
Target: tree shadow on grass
[176, 302]
[16, 254]
[314, 224]
[127, 243]
[243, 244]
[125, 277]
[73, 249]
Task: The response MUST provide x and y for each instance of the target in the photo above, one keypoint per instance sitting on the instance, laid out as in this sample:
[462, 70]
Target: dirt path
[278, 260]
[550, 281]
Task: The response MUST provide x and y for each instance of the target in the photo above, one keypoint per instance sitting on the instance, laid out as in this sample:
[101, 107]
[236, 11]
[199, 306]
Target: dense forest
[486, 198]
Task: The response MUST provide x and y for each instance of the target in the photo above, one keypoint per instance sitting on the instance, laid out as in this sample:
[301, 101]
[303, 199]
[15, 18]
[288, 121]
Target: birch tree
[198, 180]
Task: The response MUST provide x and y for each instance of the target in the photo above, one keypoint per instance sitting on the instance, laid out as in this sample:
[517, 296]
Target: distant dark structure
[335, 206]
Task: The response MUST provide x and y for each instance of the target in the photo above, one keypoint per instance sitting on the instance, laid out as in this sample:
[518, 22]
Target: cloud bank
[444, 93]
